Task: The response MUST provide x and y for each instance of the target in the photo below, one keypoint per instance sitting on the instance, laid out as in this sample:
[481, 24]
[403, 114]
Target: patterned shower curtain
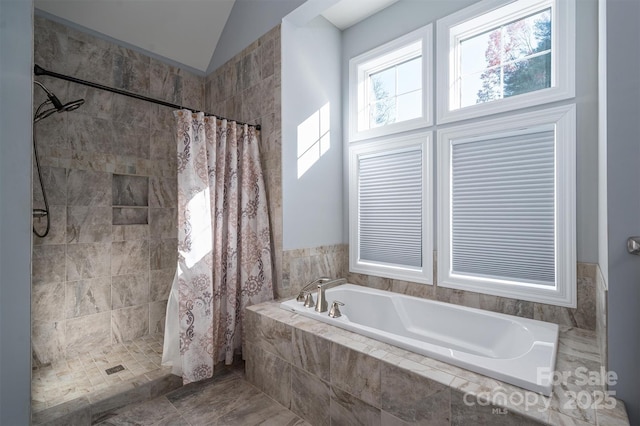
[224, 242]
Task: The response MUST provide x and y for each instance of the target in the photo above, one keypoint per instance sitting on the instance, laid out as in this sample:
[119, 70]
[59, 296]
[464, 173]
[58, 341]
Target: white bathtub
[504, 347]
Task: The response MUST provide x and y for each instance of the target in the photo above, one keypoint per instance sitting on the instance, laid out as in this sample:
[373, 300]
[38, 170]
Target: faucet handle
[334, 312]
[308, 301]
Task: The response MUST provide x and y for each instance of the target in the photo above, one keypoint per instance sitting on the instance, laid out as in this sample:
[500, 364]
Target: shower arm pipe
[38, 70]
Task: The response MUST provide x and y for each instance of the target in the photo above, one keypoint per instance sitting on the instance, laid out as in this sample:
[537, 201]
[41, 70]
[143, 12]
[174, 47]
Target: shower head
[57, 105]
[71, 106]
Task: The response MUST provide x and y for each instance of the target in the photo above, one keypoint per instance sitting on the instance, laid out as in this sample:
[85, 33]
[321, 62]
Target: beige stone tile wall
[584, 316]
[601, 294]
[303, 265]
[247, 88]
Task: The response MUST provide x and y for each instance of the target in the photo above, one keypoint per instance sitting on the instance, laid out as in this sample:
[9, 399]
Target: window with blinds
[390, 214]
[503, 208]
[506, 206]
[389, 184]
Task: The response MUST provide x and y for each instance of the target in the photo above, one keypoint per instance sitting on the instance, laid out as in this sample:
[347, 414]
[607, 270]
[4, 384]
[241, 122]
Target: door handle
[633, 245]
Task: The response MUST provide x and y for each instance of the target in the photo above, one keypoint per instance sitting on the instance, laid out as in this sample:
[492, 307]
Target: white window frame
[424, 274]
[563, 119]
[382, 57]
[488, 14]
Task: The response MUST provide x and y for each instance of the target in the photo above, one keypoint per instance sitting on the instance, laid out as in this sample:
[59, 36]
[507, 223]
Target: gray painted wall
[312, 203]
[587, 135]
[623, 181]
[407, 15]
[603, 232]
[16, 53]
[249, 19]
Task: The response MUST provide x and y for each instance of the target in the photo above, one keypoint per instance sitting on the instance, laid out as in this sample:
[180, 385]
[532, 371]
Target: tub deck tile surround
[346, 409]
[410, 399]
[310, 395]
[311, 354]
[267, 372]
[371, 382]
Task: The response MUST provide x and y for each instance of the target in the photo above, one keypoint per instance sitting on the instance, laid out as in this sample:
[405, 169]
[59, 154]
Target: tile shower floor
[225, 399]
[68, 379]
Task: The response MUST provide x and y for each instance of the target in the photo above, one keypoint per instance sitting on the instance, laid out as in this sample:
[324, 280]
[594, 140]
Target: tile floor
[68, 379]
[225, 399]
[62, 391]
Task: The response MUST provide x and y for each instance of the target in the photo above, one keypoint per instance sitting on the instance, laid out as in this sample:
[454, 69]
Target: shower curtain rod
[38, 70]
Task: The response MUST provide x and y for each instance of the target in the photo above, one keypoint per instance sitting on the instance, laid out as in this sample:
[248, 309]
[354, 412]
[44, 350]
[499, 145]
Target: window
[506, 184]
[506, 205]
[495, 57]
[395, 93]
[389, 87]
[509, 60]
[390, 209]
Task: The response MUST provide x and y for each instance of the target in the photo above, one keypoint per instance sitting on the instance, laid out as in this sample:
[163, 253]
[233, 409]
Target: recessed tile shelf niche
[130, 200]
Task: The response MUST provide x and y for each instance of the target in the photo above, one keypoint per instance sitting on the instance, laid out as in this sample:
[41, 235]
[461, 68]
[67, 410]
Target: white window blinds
[503, 208]
[390, 188]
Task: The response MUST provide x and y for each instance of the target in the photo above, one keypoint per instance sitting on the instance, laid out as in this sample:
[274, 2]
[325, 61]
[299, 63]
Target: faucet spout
[308, 286]
[321, 303]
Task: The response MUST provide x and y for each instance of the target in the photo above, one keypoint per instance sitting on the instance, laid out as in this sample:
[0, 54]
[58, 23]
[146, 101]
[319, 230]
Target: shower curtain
[224, 243]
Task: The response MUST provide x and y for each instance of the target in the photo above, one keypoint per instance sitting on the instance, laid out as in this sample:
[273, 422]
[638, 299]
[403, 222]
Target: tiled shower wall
[95, 282]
